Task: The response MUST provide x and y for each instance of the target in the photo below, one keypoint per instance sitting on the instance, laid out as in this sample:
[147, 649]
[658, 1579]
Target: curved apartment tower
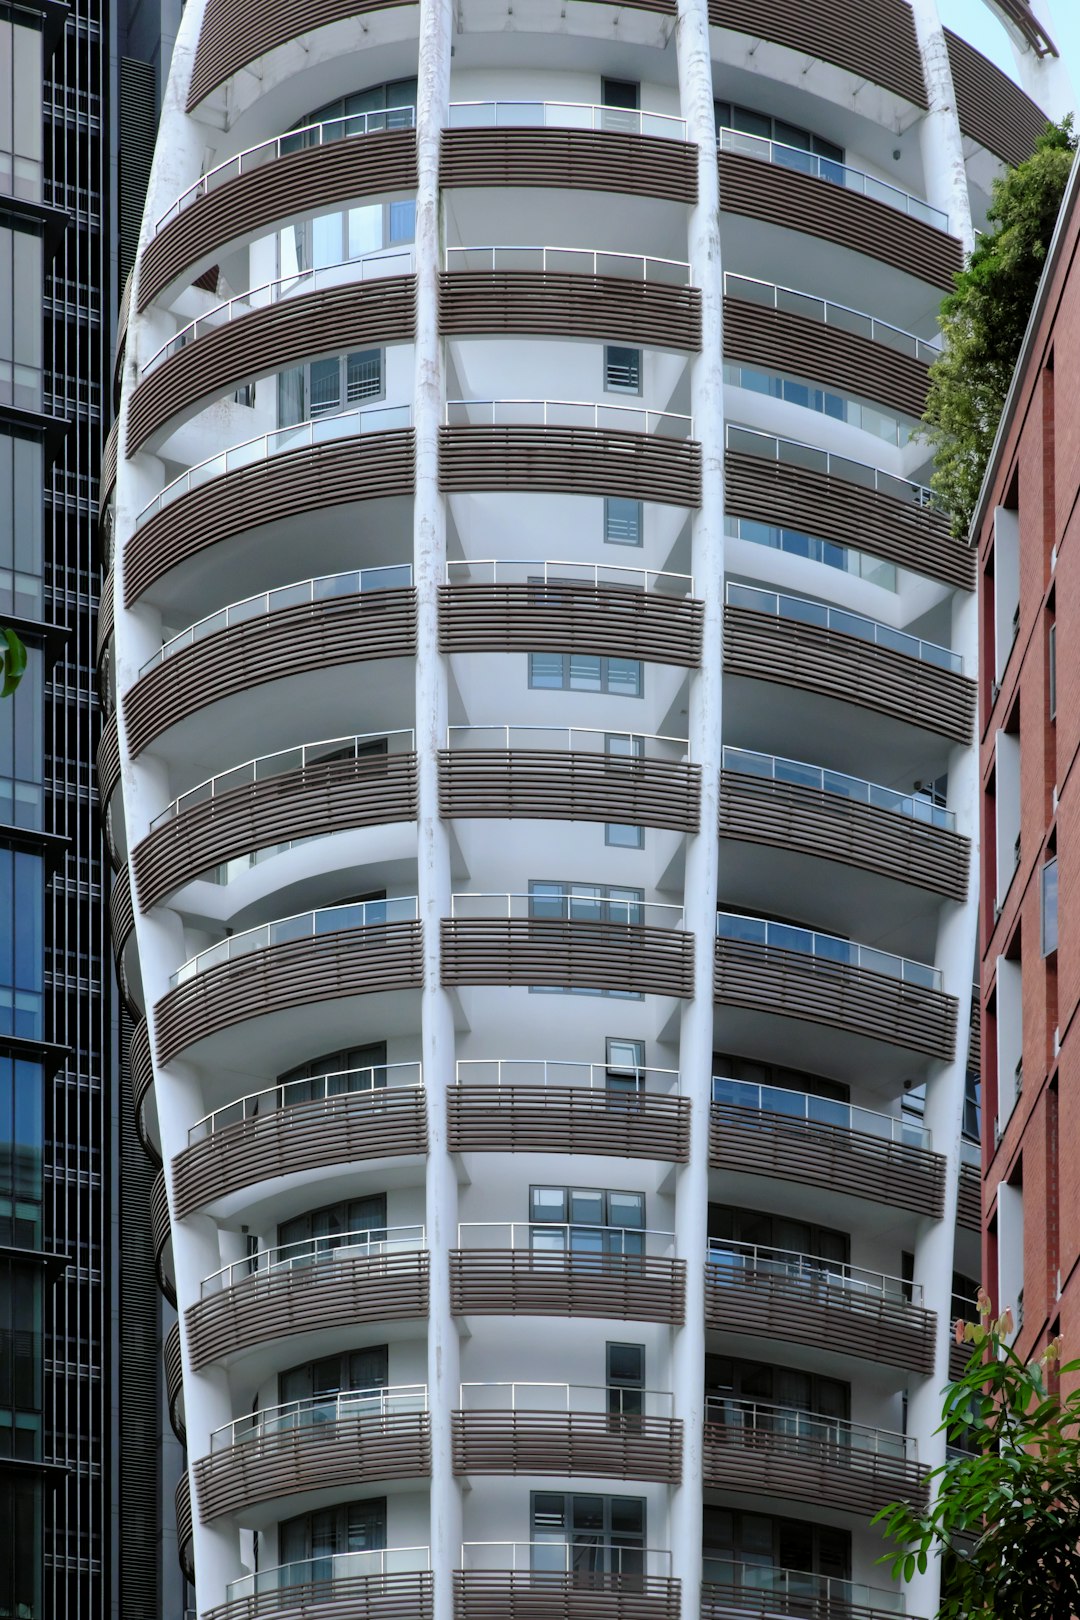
[541, 783]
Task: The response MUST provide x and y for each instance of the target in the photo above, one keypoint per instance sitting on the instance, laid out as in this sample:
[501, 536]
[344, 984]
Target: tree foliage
[1005, 1506]
[983, 321]
[12, 661]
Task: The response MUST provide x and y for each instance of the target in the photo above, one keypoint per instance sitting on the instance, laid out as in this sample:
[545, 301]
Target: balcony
[164, 1268]
[828, 815]
[350, 1281]
[336, 952]
[174, 1382]
[570, 447]
[733, 1591]
[797, 485]
[515, 1580]
[616, 947]
[297, 173]
[801, 1299]
[562, 146]
[495, 605]
[185, 1538]
[392, 1584]
[758, 1449]
[795, 190]
[267, 804]
[853, 1152]
[349, 305]
[791, 641]
[503, 1105]
[312, 624]
[298, 1127]
[569, 292]
[817, 978]
[566, 1430]
[519, 1268]
[562, 773]
[356, 1438]
[329, 461]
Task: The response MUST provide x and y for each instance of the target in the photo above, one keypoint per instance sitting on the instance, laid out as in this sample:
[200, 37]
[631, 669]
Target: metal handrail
[563, 115]
[550, 571]
[567, 413]
[334, 1247]
[330, 1567]
[820, 1111]
[386, 1400]
[738, 1260]
[324, 587]
[281, 763]
[829, 1594]
[634, 1242]
[803, 609]
[278, 442]
[621, 262]
[640, 744]
[555, 1558]
[375, 1082]
[301, 925]
[837, 173]
[616, 909]
[268, 293]
[737, 925]
[773, 767]
[832, 314]
[294, 140]
[771, 447]
[542, 1072]
[538, 1395]
[797, 1423]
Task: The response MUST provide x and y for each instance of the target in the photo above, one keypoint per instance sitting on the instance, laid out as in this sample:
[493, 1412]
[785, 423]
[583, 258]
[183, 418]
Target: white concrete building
[542, 787]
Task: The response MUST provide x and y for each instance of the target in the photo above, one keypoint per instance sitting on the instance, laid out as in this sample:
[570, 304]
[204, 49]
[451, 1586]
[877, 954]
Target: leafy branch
[12, 661]
[1004, 1510]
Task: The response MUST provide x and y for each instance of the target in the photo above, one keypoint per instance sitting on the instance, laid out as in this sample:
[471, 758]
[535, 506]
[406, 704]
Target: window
[22, 1131]
[622, 369]
[731, 116]
[1051, 668]
[354, 1068]
[1009, 1021]
[323, 387]
[972, 1126]
[586, 672]
[585, 902]
[734, 1232]
[326, 1229]
[22, 750]
[626, 1379]
[21, 513]
[351, 1527]
[731, 1384]
[621, 835]
[1006, 562]
[1006, 806]
[20, 318]
[22, 884]
[1050, 907]
[586, 1222]
[347, 234]
[624, 523]
[585, 1535]
[329, 1377]
[397, 98]
[743, 1547]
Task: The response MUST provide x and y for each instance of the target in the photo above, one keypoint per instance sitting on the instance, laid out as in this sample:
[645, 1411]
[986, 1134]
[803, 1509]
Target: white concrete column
[433, 851]
[944, 1114]
[1045, 78]
[699, 892]
[940, 141]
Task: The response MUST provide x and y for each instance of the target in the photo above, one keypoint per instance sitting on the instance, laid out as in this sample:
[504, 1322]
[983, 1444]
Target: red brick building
[1028, 531]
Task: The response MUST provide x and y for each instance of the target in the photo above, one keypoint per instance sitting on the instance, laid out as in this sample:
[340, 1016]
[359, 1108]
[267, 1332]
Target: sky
[974, 20]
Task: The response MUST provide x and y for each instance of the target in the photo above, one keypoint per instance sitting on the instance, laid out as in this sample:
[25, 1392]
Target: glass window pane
[623, 521]
[365, 229]
[548, 1204]
[584, 672]
[626, 1209]
[547, 670]
[624, 677]
[587, 1206]
[325, 386]
[363, 370]
[326, 240]
[403, 221]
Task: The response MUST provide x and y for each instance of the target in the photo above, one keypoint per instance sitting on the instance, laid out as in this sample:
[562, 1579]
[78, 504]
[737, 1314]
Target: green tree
[12, 661]
[983, 321]
[1005, 1506]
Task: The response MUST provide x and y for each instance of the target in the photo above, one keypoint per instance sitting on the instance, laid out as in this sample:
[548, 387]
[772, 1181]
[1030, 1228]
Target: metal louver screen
[138, 125]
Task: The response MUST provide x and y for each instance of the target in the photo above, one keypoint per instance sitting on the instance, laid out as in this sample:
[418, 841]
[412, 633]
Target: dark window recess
[751, 1226]
[624, 522]
[396, 98]
[625, 1379]
[353, 1068]
[731, 1383]
[624, 93]
[585, 1535]
[351, 1527]
[742, 1546]
[327, 1228]
[331, 1375]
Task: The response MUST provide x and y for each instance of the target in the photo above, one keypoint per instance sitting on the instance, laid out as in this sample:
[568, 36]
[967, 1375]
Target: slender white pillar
[944, 1114]
[944, 172]
[433, 853]
[699, 892]
[1045, 78]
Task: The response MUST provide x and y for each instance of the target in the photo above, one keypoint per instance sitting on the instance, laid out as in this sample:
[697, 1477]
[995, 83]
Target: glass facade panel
[20, 112]
[21, 482]
[21, 958]
[20, 318]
